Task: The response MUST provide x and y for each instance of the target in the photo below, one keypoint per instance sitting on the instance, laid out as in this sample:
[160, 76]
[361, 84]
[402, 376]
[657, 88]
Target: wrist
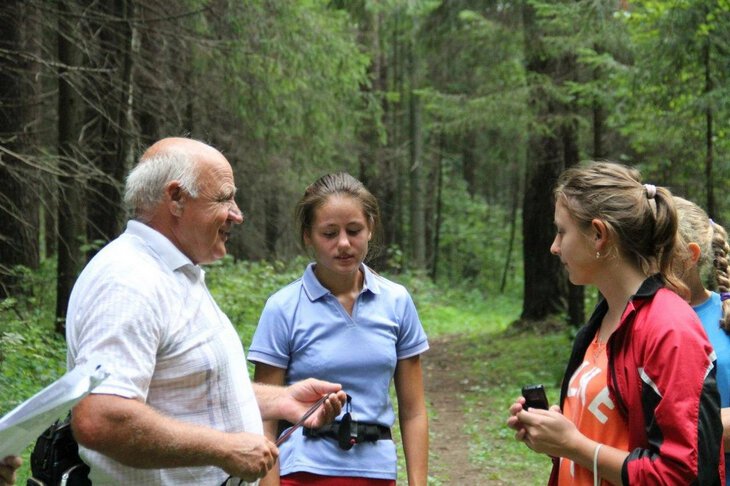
[268, 398]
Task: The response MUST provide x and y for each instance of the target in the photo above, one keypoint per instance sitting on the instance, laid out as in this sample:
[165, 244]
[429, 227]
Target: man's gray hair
[146, 182]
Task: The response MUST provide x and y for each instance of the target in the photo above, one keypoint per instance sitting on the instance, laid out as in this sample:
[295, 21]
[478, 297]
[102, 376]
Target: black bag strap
[55, 459]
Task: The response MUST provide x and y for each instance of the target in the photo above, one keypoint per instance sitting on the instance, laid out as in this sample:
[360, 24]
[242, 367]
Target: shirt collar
[650, 286]
[315, 290]
[647, 289]
[168, 253]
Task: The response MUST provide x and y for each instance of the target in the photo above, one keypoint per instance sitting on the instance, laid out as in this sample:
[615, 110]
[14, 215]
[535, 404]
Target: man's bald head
[170, 159]
[172, 145]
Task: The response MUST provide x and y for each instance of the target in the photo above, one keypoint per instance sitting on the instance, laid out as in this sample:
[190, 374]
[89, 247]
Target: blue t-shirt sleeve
[412, 338]
[270, 343]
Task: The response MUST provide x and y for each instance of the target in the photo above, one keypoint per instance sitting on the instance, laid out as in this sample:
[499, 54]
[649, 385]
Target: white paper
[27, 421]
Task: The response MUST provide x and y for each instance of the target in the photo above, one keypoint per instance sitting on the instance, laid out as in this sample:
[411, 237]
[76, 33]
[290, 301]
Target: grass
[31, 356]
[502, 364]
[499, 363]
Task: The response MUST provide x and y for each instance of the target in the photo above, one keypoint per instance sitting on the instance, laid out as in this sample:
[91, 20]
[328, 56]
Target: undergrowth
[32, 355]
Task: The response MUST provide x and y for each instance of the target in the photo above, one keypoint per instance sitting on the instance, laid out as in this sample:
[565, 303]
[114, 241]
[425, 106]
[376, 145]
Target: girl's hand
[513, 421]
[548, 431]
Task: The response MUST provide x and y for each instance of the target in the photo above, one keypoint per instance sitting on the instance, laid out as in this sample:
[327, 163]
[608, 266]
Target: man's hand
[8, 466]
[136, 435]
[304, 394]
[251, 456]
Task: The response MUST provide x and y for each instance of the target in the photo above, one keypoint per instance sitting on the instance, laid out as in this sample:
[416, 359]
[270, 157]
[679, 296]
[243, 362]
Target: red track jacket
[662, 378]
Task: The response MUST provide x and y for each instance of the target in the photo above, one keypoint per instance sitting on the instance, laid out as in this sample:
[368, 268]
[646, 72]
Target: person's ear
[174, 197]
[695, 252]
[600, 234]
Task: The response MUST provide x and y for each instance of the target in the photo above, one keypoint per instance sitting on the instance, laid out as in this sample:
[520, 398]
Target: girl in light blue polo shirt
[344, 323]
[707, 248]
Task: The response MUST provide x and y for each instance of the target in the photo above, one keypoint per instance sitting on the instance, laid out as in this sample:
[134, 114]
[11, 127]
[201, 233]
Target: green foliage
[294, 72]
[474, 242]
[454, 309]
[679, 75]
[32, 355]
[241, 288]
[473, 88]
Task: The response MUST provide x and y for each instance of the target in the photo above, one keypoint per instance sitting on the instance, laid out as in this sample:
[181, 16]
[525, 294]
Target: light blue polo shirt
[710, 313]
[304, 329]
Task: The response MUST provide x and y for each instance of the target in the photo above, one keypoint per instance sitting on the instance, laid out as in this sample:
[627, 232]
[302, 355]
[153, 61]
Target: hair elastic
[596, 476]
[650, 190]
[724, 296]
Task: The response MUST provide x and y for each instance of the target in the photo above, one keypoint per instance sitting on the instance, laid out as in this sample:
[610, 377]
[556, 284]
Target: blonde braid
[721, 250]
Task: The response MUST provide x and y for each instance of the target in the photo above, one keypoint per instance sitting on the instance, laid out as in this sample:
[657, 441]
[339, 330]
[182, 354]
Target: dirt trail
[446, 381]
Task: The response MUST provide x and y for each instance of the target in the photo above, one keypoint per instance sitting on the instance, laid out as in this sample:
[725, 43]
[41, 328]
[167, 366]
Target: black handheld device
[535, 397]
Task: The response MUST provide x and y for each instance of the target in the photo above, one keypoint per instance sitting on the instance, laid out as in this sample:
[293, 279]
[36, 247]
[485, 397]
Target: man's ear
[174, 196]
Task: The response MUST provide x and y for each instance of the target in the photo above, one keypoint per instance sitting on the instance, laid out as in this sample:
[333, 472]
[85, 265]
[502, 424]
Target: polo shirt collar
[169, 254]
[315, 290]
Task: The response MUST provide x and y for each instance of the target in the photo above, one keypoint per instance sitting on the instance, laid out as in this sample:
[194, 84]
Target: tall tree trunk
[543, 279]
[375, 171]
[544, 282]
[469, 161]
[397, 129]
[512, 229]
[272, 223]
[19, 203]
[417, 213]
[105, 210]
[576, 293]
[709, 152]
[433, 205]
[70, 201]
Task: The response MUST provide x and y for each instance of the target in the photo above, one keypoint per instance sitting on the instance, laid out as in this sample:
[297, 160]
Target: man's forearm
[293, 401]
[269, 400]
[135, 435]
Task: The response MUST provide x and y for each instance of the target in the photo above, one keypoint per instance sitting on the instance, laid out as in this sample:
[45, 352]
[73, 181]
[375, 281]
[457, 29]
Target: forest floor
[448, 381]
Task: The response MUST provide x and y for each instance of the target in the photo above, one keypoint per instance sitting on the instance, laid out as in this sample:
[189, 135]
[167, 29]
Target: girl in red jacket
[639, 404]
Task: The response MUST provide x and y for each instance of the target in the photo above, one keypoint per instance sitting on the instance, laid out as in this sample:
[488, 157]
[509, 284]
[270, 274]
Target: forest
[457, 114]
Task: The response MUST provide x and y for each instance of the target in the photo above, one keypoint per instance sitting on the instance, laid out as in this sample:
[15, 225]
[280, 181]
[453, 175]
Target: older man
[178, 406]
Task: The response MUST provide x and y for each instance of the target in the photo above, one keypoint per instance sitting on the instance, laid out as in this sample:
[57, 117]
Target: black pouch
[55, 458]
[347, 435]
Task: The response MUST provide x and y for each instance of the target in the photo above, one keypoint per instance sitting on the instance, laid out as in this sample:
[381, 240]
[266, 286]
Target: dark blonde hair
[641, 217]
[696, 227]
[338, 183]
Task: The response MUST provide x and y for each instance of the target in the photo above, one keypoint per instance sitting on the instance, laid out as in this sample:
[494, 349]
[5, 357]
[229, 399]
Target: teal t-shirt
[710, 313]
